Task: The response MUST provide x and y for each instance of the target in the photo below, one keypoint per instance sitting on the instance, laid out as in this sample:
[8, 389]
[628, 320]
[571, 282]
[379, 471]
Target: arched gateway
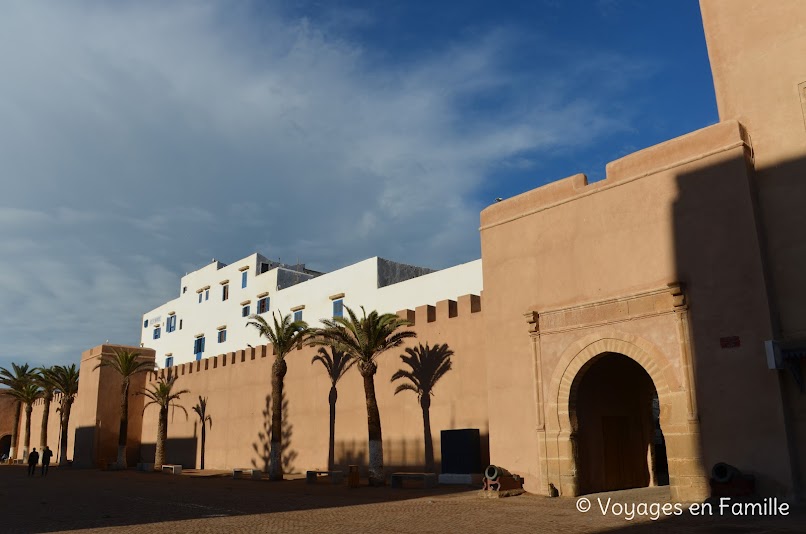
[610, 397]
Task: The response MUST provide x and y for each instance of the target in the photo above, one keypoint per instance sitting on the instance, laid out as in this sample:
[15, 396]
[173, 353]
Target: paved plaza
[106, 501]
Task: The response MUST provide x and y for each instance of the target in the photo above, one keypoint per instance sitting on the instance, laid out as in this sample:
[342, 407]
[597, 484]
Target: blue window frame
[206, 294]
[145, 323]
[222, 335]
[245, 311]
[263, 305]
[298, 315]
[200, 297]
[169, 361]
[244, 276]
[170, 324]
[338, 308]
[198, 347]
[157, 332]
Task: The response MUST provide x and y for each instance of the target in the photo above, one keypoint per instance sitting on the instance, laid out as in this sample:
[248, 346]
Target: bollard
[353, 478]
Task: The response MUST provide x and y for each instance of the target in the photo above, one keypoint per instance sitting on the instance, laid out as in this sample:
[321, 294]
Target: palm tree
[204, 418]
[284, 336]
[64, 380]
[336, 363]
[26, 394]
[18, 375]
[364, 339]
[162, 395]
[126, 363]
[44, 382]
[428, 365]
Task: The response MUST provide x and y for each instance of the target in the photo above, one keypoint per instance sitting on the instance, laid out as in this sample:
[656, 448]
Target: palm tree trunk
[66, 405]
[425, 404]
[15, 430]
[124, 425]
[331, 451]
[204, 438]
[376, 476]
[162, 436]
[279, 368]
[43, 432]
[27, 443]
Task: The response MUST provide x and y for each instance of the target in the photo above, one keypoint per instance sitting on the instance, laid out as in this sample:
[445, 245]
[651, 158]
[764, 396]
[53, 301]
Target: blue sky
[139, 140]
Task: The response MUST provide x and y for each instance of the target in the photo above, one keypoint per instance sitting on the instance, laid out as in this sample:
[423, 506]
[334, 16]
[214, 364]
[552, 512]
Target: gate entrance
[615, 414]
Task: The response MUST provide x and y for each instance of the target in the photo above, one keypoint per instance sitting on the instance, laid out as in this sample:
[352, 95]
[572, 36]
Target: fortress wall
[681, 211]
[238, 388]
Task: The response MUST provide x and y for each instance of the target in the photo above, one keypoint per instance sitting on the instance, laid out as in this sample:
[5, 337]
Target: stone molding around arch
[560, 455]
[581, 352]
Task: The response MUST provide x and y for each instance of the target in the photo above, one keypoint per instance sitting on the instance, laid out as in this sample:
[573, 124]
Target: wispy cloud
[138, 140]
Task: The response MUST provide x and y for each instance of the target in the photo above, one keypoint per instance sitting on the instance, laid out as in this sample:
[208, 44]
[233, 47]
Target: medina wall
[93, 429]
[756, 50]
[238, 390]
[660, 262]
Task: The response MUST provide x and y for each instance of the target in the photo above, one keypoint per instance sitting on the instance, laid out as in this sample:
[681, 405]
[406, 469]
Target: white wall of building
[358, 283]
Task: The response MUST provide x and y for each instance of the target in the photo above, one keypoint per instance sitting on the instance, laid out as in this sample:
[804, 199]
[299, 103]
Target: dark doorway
[5, 446]
[616, 411]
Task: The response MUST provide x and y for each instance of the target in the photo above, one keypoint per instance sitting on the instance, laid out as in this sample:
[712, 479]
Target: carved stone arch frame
[681, 433]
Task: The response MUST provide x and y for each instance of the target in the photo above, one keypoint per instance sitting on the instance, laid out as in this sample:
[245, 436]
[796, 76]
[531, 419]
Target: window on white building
[206, 294]
[263, 305]
[244, 276]
[222, 335]
[198, 347]
[157, 332]
[169, 361]
[338, 308]
[298, 315]
[170, 324]
[225, 292]
[245, 311]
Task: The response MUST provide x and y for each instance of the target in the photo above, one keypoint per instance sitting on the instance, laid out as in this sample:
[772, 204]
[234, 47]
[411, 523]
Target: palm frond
[126, 362]
[284, 336]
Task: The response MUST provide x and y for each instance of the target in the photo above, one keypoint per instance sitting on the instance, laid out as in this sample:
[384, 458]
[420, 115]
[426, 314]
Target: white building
[209, 317]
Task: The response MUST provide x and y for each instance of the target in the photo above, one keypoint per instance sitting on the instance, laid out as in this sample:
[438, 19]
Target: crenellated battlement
[211, 363]
[444, 309]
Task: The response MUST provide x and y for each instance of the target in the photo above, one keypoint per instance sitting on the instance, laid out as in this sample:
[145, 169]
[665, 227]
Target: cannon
[728, 481]
[497, 478]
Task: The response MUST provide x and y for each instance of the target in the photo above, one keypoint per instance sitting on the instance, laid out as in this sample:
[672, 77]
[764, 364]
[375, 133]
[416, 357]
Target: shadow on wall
[399, 454]
[262, 446]
[180, 451]
[738, 238]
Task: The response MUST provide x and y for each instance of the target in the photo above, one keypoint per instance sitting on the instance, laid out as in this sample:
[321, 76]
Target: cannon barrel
[494, 472]
[724, 473]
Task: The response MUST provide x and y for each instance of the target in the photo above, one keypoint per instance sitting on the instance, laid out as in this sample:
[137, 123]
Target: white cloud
[139, 140]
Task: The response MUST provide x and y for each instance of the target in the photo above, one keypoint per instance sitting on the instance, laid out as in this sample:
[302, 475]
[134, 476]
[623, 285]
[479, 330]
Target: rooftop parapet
[664, 156]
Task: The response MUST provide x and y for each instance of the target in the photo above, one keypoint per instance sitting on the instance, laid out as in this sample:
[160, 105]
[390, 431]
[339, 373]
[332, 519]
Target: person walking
[33, 459]
[47, 454]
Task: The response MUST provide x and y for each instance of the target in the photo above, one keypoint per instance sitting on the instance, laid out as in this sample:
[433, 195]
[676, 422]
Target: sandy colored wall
[756, 55]
[680, 211]
[95, 416]
[756, 51]
[6, 415]
[238, 387]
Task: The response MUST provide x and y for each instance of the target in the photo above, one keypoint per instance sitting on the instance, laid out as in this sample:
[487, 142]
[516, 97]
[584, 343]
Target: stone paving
[107, 501]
